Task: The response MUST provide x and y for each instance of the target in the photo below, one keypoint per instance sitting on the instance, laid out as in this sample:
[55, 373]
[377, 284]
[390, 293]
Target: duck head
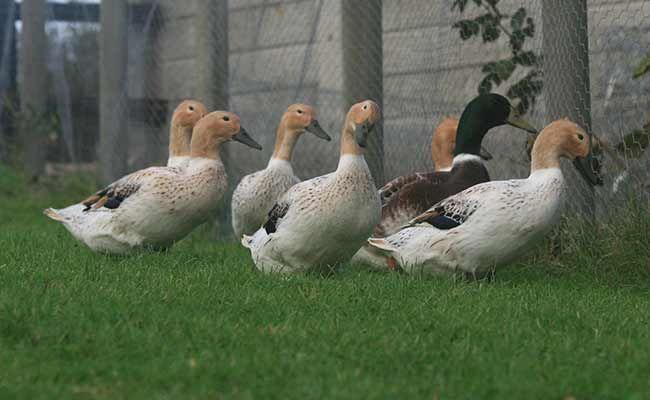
[483, 113]
[361, 120]
[300, 118]
[565, 138]
[216, 128]
[443, 143]
[185, 116]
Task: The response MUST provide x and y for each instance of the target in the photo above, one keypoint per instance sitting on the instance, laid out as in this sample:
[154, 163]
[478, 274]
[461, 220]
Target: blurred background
[89, 87]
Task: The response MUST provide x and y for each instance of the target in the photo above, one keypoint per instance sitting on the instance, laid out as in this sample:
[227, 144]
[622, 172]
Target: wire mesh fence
[421, 60]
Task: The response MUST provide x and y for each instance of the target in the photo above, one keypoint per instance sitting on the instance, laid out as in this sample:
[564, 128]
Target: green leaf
[634, 143]
[493, 3]
[529, 30]
[467, 28]
[502, 69]
[525, 58]
[460, 4]
[517, 20]
[643, 67]
[517, 41]
[486, 85]
[490, 30]
[526, 90]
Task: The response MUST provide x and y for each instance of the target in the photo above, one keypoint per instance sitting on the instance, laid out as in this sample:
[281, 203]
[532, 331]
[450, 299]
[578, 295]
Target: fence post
[212, 83]
[113, 100]
[33, 87]
[566, 75]
[7, 70]
[363, 68]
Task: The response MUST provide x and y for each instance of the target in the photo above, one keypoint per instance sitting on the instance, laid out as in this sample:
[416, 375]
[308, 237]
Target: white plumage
[492, 223]
[259, 191]
[322, 222]
[154, 207]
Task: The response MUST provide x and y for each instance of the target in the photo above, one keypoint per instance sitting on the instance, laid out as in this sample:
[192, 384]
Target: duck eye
[226, 118]
[299, 111]
[580, 136]
[191, 108]
[365, 107]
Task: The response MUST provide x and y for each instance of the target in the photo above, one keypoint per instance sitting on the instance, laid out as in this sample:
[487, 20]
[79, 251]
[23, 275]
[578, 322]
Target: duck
[184, 117]
[256, 193]
[157, 206]
[463, 168]
[443, 142]
[320, 223]
[491, 224]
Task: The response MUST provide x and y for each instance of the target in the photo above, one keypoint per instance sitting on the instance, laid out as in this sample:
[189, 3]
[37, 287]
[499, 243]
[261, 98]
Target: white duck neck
[466, 157]
[279, 163]
[351, 162]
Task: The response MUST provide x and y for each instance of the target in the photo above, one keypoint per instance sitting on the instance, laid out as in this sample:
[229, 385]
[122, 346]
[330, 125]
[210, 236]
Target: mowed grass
[569, 321]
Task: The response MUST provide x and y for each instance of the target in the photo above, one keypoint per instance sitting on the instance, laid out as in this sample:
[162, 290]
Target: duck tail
[53, 214]
[382, 244]
[246, 241]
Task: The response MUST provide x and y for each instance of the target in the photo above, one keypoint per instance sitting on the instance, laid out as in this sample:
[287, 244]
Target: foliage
[489, 26]
[643, 67]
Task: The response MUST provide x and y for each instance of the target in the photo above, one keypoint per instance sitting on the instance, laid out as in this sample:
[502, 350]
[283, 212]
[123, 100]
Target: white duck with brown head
[259, 191]
[185, 116]
[157, 206]
[492, 223]
[320, 223]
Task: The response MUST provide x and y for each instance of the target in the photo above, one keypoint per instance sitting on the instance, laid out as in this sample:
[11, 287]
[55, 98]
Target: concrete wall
[284, 51]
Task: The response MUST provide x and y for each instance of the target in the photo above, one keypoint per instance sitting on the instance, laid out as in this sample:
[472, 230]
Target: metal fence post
[7, 70]
[363, 68]
[566, 74]
[33, 86]
[212, 83]
[113, 60]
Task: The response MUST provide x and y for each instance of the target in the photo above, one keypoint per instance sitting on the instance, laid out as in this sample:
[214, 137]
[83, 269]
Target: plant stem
[494, 11]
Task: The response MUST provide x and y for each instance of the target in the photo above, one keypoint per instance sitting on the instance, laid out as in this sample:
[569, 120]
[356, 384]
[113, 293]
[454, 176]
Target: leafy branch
[518, 27]
[643, 67]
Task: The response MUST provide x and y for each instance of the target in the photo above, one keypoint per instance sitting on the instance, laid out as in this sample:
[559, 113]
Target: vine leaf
[490, 25]
[643, 67]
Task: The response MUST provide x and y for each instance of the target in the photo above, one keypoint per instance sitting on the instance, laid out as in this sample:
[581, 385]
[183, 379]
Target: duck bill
[315, 129]
[361, 133]
[243, 137]
[588, 169]
[484, 154]
[518, 122]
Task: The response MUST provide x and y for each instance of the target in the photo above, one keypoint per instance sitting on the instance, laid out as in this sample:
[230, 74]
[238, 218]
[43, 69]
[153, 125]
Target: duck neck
[179, 140]
[349, 145]
[206, 147]
[285, 141]
[443, 162]
[545, 153]
[471, 131]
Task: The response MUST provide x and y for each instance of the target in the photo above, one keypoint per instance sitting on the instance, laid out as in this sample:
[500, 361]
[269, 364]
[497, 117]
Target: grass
[198, 322]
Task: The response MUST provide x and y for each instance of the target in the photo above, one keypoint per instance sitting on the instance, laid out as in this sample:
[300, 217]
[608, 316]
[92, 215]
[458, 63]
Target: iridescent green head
[483, 113]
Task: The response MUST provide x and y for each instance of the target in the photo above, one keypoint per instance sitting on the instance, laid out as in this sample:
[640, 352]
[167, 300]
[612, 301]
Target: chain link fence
[421, 60]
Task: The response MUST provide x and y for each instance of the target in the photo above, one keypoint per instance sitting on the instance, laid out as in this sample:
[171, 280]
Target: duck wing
[458, 209]
[412, 195]
[113, 195]
[397, 184]
[282, 206]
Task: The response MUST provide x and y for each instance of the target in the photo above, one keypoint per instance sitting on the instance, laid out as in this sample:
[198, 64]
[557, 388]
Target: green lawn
[198, 322]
